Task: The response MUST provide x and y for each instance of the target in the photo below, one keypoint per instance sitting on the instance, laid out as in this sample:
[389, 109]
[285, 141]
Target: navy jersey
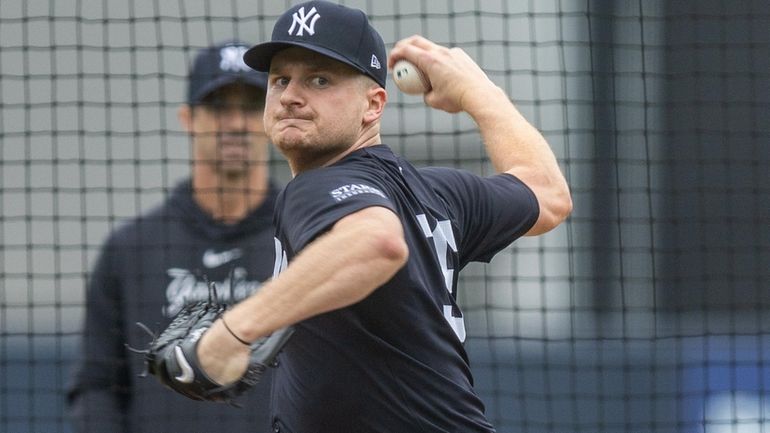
[393, 362]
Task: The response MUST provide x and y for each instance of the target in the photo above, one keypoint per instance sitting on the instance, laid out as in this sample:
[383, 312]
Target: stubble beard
[310, 151]
[233, 171]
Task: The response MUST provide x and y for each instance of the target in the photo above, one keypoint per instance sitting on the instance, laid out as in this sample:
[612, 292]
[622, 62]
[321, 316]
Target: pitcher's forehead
[310, 60]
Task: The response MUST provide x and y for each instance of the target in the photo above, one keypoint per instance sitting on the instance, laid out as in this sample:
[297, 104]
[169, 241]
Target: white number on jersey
[280, 258]
[443, 238]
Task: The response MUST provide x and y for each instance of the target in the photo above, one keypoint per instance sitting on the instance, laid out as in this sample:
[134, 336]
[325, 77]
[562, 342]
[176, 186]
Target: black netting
[647, 311]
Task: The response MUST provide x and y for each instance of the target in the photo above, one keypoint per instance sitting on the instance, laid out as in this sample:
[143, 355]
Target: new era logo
[300, 22]
[375, 62]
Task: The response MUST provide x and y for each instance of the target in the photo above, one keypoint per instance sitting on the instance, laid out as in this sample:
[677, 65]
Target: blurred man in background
[215, 226]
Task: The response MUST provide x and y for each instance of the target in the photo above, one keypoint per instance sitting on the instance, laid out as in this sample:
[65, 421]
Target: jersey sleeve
[490, 212]
[319, 198]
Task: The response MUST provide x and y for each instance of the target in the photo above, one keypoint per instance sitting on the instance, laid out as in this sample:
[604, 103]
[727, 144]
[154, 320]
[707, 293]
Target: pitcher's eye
[320, 81]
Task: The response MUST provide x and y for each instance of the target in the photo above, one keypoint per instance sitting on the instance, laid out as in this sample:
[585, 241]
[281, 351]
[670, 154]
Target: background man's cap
[218, 66]
[333, 30]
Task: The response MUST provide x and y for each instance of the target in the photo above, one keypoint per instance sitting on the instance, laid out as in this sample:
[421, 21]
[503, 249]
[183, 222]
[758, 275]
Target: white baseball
[410, 79]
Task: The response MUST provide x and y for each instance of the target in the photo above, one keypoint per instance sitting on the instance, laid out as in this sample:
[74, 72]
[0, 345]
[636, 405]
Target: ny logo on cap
[232, 59]
[300, 20]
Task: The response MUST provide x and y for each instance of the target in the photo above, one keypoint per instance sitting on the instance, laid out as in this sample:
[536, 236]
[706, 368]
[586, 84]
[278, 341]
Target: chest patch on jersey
[347, 191]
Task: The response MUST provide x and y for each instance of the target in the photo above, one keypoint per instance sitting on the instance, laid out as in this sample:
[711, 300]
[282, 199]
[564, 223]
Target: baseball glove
[172, 357]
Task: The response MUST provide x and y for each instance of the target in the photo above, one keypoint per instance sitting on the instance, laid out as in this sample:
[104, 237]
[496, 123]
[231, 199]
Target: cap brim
[259, 56]
[252, 79]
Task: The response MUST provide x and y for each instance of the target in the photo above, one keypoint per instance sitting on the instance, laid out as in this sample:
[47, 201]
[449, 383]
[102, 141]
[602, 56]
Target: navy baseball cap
[218, 66]
[333, 30]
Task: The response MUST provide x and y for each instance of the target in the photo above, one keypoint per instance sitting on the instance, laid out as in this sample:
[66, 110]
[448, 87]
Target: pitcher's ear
[377, 97]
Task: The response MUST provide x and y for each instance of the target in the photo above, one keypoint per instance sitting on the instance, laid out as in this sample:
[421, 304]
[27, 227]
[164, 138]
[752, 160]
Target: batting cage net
[647, 311]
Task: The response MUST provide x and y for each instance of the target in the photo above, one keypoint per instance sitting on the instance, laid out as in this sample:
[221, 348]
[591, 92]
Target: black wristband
[233, 333]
